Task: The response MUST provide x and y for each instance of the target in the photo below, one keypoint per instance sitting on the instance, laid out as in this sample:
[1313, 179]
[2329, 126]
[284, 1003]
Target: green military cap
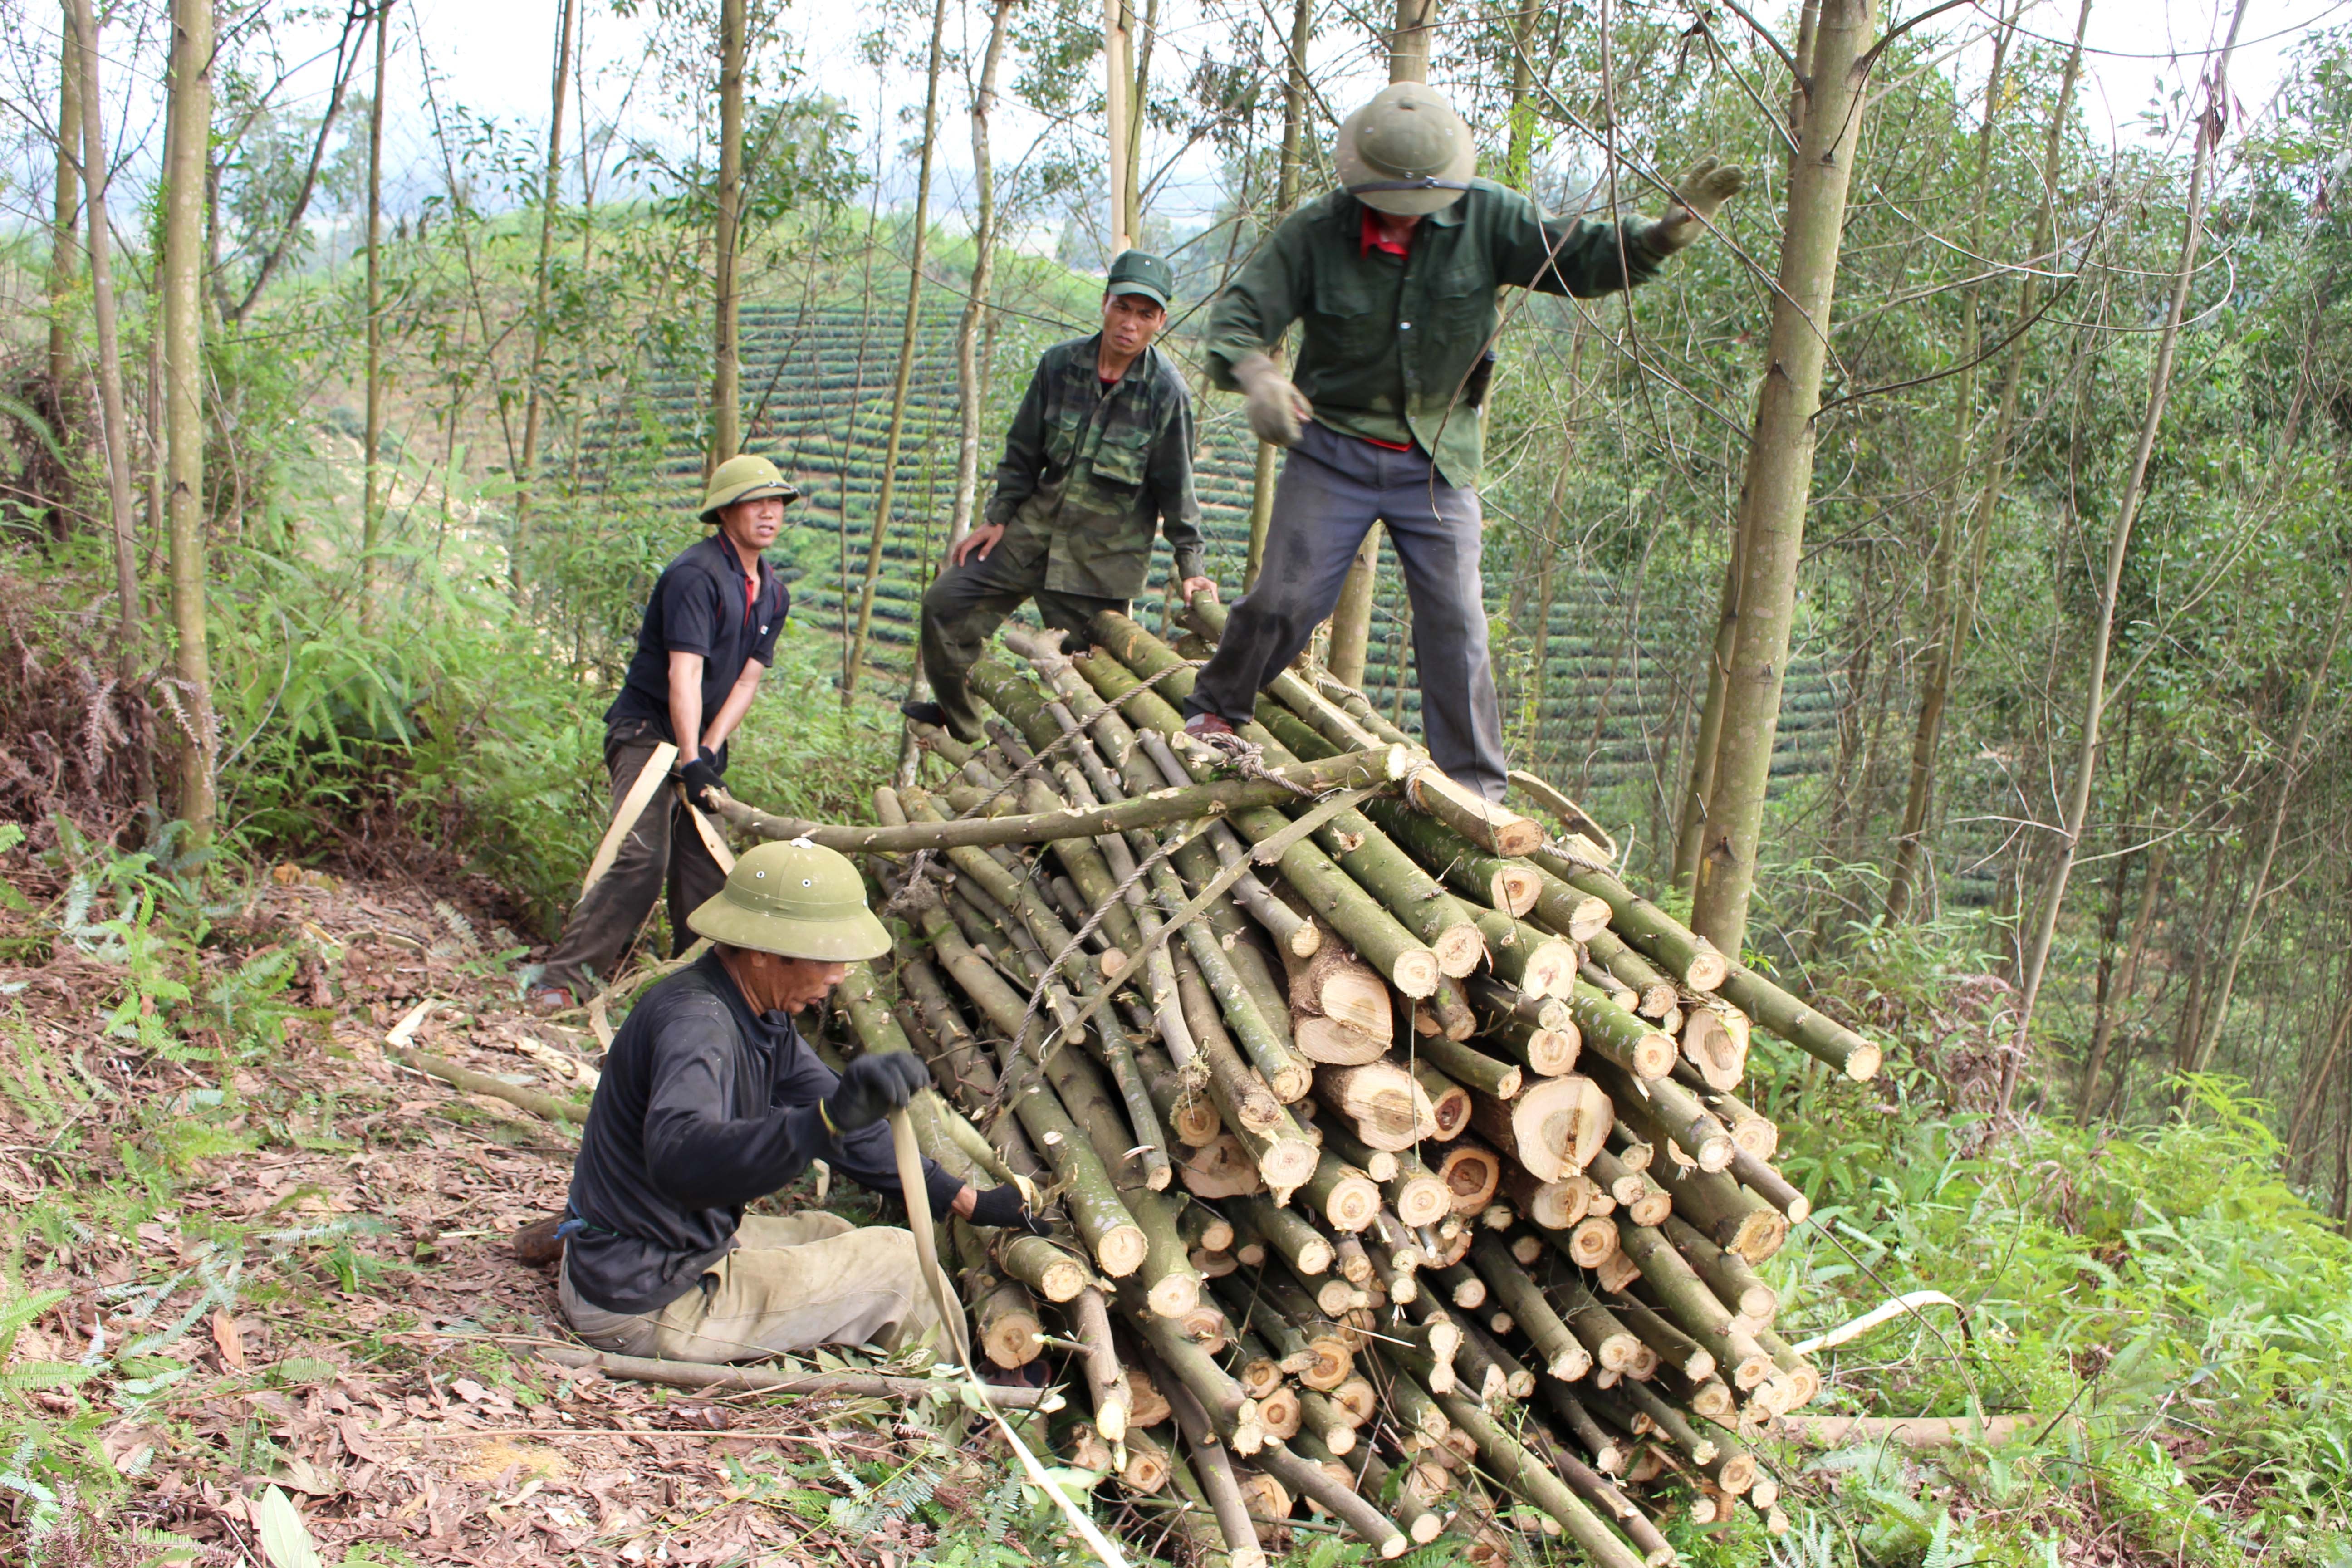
[744, 478]
[796, 898]
[1140, 272]
[1406, 150]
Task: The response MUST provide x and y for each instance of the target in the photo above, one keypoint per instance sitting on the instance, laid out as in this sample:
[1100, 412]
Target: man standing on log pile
[1395, 278]
[1099, 455]
[709, 633]
[711, 1098]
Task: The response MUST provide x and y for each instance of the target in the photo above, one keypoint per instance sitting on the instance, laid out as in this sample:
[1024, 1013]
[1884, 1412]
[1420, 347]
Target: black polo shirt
[704, 603]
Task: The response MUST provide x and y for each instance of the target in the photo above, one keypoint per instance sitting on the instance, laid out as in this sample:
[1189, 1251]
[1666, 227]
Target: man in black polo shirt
[710, 633]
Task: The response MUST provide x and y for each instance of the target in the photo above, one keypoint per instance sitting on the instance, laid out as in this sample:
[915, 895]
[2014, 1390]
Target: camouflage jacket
[1392, 344]
[1089, 473]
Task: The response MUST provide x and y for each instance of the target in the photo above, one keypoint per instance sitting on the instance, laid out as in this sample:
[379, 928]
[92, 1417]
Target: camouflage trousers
[962, 610]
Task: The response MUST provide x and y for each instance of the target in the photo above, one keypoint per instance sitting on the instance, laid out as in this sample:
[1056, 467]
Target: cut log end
[1459, 952]
[1174, 1295]
[1121, 1251]
[1653, 1054]
[1415, 972]
[1861, 1065]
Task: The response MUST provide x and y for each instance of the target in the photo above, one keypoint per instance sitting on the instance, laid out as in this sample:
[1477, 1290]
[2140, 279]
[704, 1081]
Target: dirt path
[247, 1248]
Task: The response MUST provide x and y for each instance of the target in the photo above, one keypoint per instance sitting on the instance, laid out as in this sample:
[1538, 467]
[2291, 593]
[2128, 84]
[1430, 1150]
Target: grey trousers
[1332, 490]
[963, 608]
[662, 848]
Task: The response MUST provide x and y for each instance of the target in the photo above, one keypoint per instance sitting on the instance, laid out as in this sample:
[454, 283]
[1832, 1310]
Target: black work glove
[700, 776]
[872, 1088]
[1002, 1208]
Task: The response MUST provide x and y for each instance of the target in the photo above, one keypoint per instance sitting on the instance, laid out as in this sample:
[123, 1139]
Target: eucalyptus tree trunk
[1285, 196]
[64, 241]
[2126, 980]
[971, 393]
[1139, 99]
[1952, 605]
[1778, 480]
[550, 188]
[727, 381]
[2290, 771]
[907, 338]
[1518, 161]
[372, 493]
[1351, 617]
[1116, 80]
[190, 126]
[1698, 793]
[2086, 756]
[115, 423]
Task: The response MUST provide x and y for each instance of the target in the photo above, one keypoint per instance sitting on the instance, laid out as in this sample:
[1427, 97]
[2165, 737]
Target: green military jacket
[1390, 341]
[1088, 472]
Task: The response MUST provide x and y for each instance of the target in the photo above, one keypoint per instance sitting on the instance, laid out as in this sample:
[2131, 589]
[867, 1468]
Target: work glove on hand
[1699, 194]
[700, 776]
[1277, 409]
[871, 1088]
[1003, 1207]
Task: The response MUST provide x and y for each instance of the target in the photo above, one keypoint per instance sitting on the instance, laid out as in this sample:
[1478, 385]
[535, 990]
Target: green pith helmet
[799, 899]
[744, 478]
[1140, 272]
[1406, 150]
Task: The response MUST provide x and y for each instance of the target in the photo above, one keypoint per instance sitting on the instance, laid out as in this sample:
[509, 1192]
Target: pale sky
[493, 58]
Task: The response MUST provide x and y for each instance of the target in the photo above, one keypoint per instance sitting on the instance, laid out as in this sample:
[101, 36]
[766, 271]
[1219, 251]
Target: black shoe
[932, 713]
[1076, 645]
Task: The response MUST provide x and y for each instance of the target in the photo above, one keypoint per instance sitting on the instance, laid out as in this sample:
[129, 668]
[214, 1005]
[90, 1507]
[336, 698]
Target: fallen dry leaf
[228, 1340]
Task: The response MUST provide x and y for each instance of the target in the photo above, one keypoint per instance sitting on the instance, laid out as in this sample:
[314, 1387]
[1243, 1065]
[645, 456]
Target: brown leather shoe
[546, 1000]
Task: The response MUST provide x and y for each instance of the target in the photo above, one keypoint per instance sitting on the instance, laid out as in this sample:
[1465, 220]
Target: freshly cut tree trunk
[1471, 1173]
[1449, 1102]
[1709, 1045]
[1330, 1043]
[1564, 1356]
[1723, 1211]
[1553, 1205]
[1619, 1037]
[1472, 1068]
[1386, 1103]
[1553, 1128]
[1336, 984]
[1343, 1196]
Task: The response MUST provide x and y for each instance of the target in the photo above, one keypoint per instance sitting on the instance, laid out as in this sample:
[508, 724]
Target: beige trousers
[791, 1284]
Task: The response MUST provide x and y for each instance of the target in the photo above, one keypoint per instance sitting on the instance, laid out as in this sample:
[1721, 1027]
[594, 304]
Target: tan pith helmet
[1406, 150]
[799, 899]
[744, 476]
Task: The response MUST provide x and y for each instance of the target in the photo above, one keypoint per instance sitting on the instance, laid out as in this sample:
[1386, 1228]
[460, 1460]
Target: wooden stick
[751, 1380]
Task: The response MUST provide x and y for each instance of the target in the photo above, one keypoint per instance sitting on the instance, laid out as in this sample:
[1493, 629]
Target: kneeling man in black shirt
[711, 1098]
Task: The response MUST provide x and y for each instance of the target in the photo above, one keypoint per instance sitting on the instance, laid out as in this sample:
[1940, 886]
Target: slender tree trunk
[183, 253]
[1698, 793]
[1351, 617]
[1518, 161]
[64, 246]
[1951, 612]
[907, 339]
[2290, 771]
[1409, 42]
[1778, 480]
[972, 380]
[2319, 1079]
[1137, 103]
[549, 192]
[726, 382]
[2127, 978]
[372, 500]
[1286, 194]
[1118, 40]
[115, 420]
[971, 391]
[2086, 757]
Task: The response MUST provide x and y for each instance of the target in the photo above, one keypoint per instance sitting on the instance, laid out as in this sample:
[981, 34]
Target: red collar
[1374, 237]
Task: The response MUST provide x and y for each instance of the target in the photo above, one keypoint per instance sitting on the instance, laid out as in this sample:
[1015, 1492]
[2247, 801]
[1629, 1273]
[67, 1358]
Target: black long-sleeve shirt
[704, 1106]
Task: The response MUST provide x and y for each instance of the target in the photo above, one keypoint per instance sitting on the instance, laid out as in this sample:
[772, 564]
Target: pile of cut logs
[1401, 1175]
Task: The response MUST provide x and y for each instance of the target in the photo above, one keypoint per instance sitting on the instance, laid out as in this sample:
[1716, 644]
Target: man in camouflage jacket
[1099, 457]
